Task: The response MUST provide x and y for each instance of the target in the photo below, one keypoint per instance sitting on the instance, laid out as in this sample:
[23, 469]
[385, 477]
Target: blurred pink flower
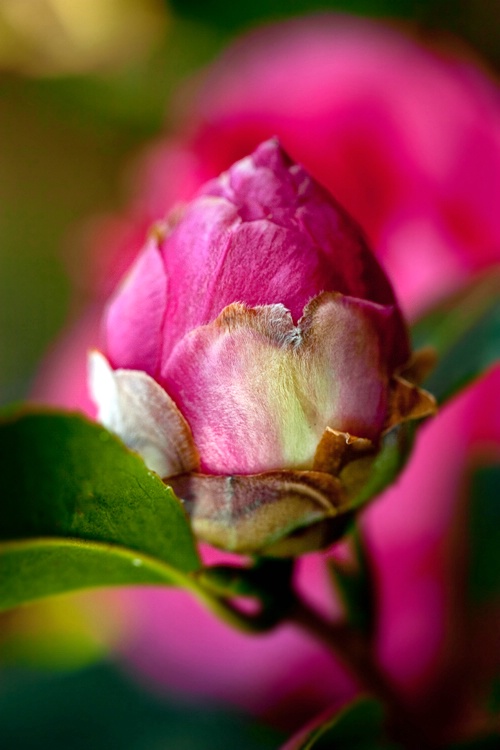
[408, 139]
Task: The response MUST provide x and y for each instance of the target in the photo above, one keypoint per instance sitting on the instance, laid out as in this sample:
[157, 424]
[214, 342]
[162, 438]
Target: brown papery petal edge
[250, 513]
[407, 401]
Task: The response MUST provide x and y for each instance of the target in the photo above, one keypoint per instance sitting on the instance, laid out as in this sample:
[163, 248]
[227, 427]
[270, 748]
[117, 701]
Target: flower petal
[135, 315]
[265, 232]
[133, 406]
[336, 449]
[251, 513]
[407, 401]
[259, 392]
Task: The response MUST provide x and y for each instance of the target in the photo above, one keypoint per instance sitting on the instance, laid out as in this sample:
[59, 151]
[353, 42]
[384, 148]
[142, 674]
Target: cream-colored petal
[133, 406]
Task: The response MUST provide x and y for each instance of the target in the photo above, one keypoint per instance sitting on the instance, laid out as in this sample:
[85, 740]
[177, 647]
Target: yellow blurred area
[51, 37]
[63, 632]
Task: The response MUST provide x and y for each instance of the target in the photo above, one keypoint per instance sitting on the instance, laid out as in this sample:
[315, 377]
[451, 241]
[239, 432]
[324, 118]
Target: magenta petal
[135, 316]
[263, 233]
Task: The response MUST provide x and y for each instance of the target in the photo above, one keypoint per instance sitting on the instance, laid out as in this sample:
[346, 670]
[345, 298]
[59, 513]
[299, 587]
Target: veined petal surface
[258, 392]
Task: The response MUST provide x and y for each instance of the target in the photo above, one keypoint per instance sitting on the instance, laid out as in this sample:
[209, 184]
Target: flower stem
[353, 650]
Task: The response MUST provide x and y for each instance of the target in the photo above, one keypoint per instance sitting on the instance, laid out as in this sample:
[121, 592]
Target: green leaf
[360, 726]
[484, 531]
[465, 331]
[80, 510]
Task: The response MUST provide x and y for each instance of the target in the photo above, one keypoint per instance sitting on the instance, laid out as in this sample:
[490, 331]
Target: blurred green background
[83, 85]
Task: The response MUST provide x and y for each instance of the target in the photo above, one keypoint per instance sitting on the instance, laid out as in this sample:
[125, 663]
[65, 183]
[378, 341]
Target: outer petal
[249, 514]
[135, 316]
[132, 405]
[259, 392]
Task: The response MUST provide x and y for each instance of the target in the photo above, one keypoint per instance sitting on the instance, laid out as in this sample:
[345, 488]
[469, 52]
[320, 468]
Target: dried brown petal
[336, 449]
[250, 513]
[407, 401]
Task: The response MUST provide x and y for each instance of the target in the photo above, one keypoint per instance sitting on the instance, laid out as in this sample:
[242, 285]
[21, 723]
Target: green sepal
[363, 484]
[394, 453]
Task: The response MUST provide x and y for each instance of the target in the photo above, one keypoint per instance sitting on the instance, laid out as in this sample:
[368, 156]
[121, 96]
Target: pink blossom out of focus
[405, 137]
[409, 141]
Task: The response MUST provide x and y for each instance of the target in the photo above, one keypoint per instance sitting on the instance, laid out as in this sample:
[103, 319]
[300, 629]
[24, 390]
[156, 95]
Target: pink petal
[135, 315]
[259, 392]
[264, 233]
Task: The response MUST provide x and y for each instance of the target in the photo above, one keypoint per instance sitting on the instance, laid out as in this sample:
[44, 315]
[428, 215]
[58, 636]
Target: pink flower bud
[254, 350]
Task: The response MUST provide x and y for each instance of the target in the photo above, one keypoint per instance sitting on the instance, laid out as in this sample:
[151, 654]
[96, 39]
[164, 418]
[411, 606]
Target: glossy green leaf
[359, 726]
[79, 510]
[465, 331]
[484, 534]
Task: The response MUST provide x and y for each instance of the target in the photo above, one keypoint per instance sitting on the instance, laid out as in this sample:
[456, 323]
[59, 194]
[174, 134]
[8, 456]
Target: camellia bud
[254, 353]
